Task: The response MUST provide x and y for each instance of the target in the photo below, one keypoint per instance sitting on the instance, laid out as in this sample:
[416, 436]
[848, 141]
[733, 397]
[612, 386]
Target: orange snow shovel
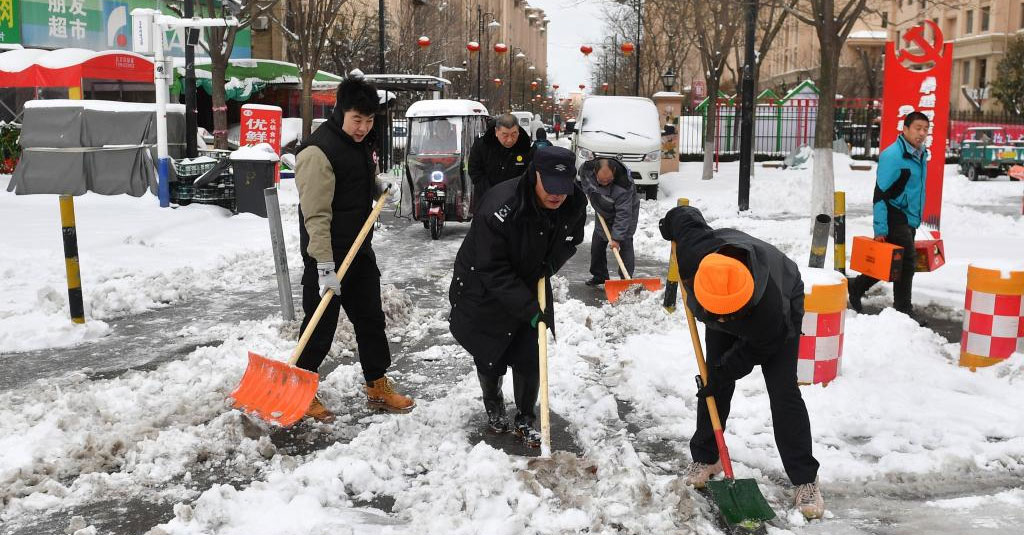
[280, 392]
[614, 288]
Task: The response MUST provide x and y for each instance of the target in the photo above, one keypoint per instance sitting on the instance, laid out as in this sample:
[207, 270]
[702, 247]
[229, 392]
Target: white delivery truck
[624, 128]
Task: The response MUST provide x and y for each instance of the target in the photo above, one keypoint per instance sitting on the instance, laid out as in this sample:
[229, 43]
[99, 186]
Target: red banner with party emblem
[917, 78]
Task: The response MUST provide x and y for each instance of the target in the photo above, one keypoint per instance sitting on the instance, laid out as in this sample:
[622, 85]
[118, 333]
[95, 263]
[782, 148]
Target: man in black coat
[527, 228]
[501, 154]
[336, 170]
[751, 299]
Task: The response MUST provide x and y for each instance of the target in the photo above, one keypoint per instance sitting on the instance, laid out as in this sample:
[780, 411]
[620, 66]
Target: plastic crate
[193, 168]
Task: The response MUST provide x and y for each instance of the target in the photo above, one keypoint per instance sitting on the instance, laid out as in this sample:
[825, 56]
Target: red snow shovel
[739, 500]
[614, 288]
[280, 392]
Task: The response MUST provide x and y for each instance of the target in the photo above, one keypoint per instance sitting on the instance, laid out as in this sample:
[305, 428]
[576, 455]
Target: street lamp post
[516, 53]
[636, 59]
[480, 38]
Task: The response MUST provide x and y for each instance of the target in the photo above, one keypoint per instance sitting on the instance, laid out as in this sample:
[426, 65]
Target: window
[966, 78]
[1022, 15]
[885, 18]
[921, 4]
[982, 67]
[969, 22]
[949, 31]
[985, 12]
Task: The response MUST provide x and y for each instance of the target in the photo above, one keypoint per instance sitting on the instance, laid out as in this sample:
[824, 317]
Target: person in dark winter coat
[750, 298]
[527, 228]
[541, 139]
[613, 195]
[501, 154]
[898, 204]
[335, 173]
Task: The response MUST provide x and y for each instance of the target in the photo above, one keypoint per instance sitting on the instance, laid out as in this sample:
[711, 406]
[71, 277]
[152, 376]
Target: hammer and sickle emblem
[931, 52]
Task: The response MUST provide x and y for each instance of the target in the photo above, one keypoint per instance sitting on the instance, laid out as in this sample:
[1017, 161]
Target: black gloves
[548, 317]
[711, 387]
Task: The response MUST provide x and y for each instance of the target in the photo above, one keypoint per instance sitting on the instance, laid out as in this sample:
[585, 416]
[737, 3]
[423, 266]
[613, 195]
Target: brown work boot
[381, 395]
[318, 412]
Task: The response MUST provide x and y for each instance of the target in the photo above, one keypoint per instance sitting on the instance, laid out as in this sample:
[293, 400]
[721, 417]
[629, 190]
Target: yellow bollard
[67, 223]
[839, 222]
[672, 282]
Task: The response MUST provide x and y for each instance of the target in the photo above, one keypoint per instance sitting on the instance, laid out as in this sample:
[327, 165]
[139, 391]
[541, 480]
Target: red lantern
[423, 41]
[533, 86]
[627, 48]
[604, 87]
[500, 48]
[583, 86]
[473, 46]
[586, 49]
[555, 87]
[497, 82]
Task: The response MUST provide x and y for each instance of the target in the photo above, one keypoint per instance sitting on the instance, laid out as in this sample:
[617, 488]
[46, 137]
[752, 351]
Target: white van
[624, 128]
[524, 118]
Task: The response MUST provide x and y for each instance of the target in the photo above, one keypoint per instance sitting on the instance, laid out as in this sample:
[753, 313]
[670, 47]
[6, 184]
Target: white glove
[328, 278]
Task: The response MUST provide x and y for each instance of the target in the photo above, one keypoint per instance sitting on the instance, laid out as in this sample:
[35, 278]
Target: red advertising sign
[927, 91]
[261, 124]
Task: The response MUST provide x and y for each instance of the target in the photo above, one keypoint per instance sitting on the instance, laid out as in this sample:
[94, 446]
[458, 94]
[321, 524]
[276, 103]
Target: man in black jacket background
[503, 153]
[526, 228]
[750, 298]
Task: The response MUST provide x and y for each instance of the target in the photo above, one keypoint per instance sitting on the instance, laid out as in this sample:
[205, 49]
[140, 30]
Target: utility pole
[639, 24]
[747, 117]
[381, 37]
[615, 64]
[191, 126]
[480, 53]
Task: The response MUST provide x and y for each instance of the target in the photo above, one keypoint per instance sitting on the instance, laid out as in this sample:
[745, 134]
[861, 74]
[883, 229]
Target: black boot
[526, 389]
[494, 403]
[858, 286]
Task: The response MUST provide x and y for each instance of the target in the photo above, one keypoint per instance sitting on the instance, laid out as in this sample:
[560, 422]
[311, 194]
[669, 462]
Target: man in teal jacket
[898, 203]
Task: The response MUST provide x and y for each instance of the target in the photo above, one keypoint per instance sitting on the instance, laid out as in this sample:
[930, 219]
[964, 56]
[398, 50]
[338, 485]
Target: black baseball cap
[557, 167]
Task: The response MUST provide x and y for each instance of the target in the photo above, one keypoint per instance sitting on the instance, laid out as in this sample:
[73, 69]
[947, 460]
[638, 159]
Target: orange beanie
[723, 284]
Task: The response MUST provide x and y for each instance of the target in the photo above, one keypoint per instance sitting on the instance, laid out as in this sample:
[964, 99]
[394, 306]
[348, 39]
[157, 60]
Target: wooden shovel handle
[608, 234]
[306, 334]
[542, 346]
[698, 351]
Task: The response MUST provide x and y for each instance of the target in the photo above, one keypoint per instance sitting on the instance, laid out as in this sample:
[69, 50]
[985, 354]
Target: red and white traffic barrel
[993, 315]
[821, 341]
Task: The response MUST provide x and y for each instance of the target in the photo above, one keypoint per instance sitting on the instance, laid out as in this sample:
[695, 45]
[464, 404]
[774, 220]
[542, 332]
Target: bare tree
[308, 28]
[354, 44]
[716, 26]
[218, 43]
[832, 21]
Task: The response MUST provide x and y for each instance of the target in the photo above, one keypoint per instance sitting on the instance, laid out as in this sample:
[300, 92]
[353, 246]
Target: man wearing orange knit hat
[750, 298]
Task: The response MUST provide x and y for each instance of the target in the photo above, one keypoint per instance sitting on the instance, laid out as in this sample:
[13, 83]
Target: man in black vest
[335, 174]
[527, 228]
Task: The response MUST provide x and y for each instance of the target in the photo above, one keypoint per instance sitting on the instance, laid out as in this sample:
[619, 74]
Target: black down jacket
[490, 163]
[510, 245]
[775, 311]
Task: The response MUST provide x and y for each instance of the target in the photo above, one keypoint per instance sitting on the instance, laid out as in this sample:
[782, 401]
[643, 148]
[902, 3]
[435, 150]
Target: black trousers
[599, 254]
[523, 357]
[360, 297]
[789, 414]
[902, 235]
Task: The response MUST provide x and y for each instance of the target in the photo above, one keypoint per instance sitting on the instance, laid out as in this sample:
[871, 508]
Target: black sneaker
[530, 436]
[594, 281]
[855, 298]
[498, 422]
[921, 320]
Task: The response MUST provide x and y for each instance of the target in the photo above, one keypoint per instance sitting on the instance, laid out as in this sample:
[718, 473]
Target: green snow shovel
[738, 500]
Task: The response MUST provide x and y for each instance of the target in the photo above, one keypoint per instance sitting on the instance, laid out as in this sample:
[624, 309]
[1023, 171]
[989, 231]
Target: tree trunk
[823, 180]
[306, 103]
[218, 73]
[711, 126]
